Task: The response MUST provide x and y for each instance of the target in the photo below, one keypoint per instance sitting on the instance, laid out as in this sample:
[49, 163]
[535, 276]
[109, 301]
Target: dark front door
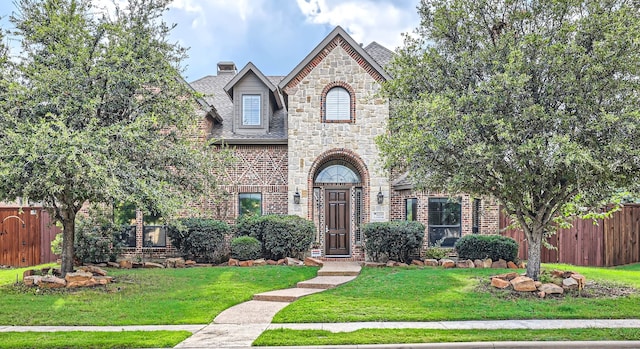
[337, 221]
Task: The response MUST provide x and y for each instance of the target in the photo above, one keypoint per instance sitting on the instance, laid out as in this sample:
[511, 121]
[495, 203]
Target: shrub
[245, 248]
[397, 240]
[281, 235]
[203, 240]
[97, 239]
[437, 252]
[487, 246]
[56, 245]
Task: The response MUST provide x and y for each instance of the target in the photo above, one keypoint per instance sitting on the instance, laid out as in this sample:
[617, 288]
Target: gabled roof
[381, 54]
[250, 67]
[309, 62]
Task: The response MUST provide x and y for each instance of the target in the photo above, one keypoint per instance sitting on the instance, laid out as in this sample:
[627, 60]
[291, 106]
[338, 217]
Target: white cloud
[364, 20]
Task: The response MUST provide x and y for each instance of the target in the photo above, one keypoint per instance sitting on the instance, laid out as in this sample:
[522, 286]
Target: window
[124, 215]
[251, 110]
[444, 222]
[411, 209]
[476, 216]
[338, 105]
[337, 173]
[358, 215]
[154, 233]
[250, 203]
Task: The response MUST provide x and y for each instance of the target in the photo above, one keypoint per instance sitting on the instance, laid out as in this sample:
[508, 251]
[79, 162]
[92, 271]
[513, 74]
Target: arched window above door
[337, 173]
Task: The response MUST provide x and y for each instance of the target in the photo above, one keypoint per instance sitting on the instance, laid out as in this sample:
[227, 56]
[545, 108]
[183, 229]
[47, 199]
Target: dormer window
[338, 103]
[251, 110]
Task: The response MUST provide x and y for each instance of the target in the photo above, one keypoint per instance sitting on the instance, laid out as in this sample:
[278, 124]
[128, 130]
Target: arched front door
[335, 186]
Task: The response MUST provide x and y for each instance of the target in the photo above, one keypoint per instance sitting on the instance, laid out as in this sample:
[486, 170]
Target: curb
[479, 345]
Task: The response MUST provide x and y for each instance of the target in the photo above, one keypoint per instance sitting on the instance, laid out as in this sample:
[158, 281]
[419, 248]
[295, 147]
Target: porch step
[286, 295]
[340, 269]
[325, 282]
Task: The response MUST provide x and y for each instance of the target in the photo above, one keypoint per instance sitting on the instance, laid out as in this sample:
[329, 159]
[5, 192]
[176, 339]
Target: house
[305, 145]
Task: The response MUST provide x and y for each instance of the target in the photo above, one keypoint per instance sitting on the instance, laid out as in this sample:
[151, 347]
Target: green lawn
[145, 296]
[284, 337]
[432, 294]
[93, 340]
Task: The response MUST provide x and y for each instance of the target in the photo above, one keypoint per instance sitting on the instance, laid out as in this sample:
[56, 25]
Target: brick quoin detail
[337, 41]
[352, 103]
[347, 156]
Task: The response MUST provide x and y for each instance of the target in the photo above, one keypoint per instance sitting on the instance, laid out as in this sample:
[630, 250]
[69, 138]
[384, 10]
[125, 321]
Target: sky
[275, 35]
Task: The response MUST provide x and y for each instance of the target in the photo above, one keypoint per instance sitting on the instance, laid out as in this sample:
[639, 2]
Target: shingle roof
[212, 87]
[379, 53]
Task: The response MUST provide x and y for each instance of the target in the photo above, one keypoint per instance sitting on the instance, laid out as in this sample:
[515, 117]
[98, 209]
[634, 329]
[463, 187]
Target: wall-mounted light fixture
[296, 197]
[380, 196]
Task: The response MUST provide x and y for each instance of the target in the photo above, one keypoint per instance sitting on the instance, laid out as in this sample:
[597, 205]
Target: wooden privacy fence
[25, 236]
[612, 241]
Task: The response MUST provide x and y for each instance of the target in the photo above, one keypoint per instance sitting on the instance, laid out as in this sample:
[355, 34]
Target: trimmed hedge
[396, 240]
[281, 235]
[245, 248]
[97, 238]
[203, 240]
[487, 246]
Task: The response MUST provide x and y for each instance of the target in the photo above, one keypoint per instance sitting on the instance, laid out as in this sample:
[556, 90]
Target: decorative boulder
[391, 263]
[507, 276]
[259, 262]
[551, 289]
[271, 262]
[94, 270]
[293, 262]
[312, 262]
[465, 264]
[374, 265]
[103, 280]
[417, 262]
[499, 264]
[523, 284]
[175, 263]
[431, 262]
[478, 263]
[31, 280]
[126, 264]
[447, 263]
[50, 281]
[580, 279]
[281, 262]
[113, 265]
[233, 262]
[570, 284]
[499, 283]
[78, 276]
[246, 263]
[486, 263]
[189, 263]
[151, 265]
[511, 265]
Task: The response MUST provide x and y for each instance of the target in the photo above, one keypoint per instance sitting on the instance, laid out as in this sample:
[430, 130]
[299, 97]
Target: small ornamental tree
[96, 111]
[532, 102]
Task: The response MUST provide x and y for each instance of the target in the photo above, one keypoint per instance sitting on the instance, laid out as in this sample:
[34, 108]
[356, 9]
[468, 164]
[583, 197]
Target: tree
[533, 102]
[97, 112]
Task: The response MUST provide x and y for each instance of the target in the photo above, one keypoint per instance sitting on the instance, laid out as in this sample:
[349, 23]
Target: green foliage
[534, 103]
[281, 235]
[204, 240]
[95, 110]
[246, 248]
[437, 252]
[397, 240]
[97, 238]
[56, 244]
[487, 246]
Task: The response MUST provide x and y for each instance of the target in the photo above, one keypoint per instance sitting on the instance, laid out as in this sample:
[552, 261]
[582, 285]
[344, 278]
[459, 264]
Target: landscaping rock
[113, 265]
[523, 284]
[281, 262]
[82, 283]
[507, 276]
[189, 263]
[103, 280]
[374, 265]
[50, 281]
[175, 263]
[293, 262]
[259, 262]
[580, 279]
[94, 270]
[233, 262]
[246, 263]
[551, 289]
[511, 265]
[538, 284]
[271, 262]
[313, 262]
[499, 264]
[499, 283]
[467, 263]
[522, 265]
[151, 265]
[570, 284]
[478, 263]
[126, 264]
[417, 262]
[402, 264]
[28, 272]
[78, 276]
[557, 273]
[447, 263]
[391, 263]
[542, 294]
[431, 262]
[486, 263]
[31, 280]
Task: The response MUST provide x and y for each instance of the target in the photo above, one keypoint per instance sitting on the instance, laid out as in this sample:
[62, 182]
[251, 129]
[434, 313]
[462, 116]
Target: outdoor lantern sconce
[296, 197]
[380, 197]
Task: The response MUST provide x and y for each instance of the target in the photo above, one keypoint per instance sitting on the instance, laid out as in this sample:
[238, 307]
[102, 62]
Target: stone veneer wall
[310, 138]
[489, 211]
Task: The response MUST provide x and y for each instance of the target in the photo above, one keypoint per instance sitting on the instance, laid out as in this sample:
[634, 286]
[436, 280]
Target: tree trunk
[68, 231]
[535, 247]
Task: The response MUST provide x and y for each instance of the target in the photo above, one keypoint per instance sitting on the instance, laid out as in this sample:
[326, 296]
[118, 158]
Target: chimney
[225, 68]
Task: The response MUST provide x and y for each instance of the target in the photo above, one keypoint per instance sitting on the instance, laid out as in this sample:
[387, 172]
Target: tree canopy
[532, 102]
[96, 111]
